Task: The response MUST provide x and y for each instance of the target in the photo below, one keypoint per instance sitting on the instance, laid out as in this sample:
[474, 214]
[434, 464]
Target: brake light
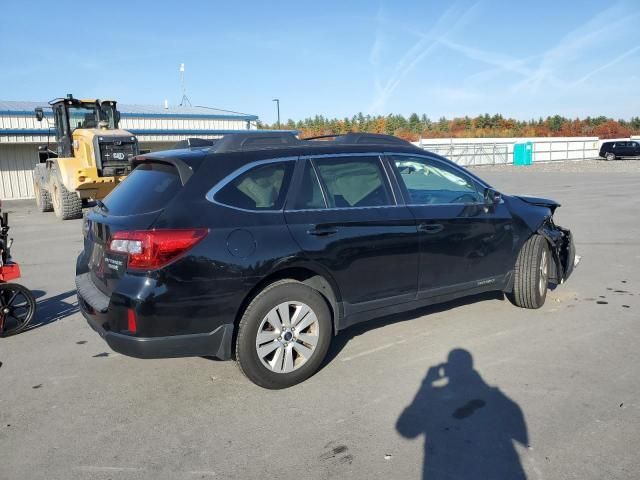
[152, 249]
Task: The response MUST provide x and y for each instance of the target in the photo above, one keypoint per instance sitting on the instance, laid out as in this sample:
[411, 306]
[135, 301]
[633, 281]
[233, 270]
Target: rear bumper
[95, 306]
[216, 343]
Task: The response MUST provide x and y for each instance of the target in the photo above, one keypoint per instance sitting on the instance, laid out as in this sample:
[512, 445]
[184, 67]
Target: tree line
[421, 126]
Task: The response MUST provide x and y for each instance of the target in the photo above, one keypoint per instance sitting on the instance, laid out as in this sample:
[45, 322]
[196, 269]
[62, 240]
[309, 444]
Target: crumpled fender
[562, 249]
[540, 202]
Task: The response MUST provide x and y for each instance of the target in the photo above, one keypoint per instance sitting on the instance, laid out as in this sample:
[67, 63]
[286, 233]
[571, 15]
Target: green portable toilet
[523, 153]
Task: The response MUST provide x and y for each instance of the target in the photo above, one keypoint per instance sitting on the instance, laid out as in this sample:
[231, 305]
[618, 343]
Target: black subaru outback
[263, 246]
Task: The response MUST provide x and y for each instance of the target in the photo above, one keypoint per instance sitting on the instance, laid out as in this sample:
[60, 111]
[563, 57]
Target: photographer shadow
[469, 427]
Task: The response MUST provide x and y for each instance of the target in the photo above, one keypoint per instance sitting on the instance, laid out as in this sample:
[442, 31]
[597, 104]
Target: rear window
[148, 188]
[262, 188]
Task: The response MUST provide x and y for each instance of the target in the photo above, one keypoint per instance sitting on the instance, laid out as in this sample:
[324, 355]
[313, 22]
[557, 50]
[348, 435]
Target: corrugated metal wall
[21, 133]
[16, 167]
[189, 124]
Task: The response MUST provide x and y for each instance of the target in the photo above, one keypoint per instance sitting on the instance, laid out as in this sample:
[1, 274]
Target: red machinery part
[9, 271]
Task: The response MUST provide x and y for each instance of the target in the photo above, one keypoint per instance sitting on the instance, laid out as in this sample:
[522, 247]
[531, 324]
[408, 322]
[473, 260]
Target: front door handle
[322, 231]
[430, 227]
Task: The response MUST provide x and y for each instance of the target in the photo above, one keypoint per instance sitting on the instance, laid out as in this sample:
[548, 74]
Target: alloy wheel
[287, 337]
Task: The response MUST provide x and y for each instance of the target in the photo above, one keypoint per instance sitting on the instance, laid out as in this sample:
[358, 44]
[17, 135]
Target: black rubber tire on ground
[529, 277]
[610, 156]
[67, 205]
[43, 197]
[18, 307]
[273, 295]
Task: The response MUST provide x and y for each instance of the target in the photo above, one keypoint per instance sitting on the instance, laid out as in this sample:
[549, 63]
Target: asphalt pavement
[550, 393]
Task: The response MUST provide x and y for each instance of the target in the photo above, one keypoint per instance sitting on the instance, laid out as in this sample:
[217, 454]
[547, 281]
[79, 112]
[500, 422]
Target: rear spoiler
[184, 170]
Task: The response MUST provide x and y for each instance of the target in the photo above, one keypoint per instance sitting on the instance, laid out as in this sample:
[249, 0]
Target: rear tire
[270, 351]
[67, 205]
[17, 307]
[43, 197]
[610, 157]
[531, 274]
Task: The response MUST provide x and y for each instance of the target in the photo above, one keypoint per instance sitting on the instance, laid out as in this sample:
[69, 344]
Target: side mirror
[39, 114]
[117, 117]
[491, 197]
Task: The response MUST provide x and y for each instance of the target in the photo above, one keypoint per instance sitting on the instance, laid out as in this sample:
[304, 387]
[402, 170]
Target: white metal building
[157, 128]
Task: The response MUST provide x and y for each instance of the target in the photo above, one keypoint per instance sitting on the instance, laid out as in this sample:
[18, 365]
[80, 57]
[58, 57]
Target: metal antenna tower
[185, 100]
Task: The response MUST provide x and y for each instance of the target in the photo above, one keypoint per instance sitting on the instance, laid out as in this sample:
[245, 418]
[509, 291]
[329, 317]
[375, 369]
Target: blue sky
[336, 58]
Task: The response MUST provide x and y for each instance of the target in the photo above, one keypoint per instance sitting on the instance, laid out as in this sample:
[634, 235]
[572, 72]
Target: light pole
[277, 100]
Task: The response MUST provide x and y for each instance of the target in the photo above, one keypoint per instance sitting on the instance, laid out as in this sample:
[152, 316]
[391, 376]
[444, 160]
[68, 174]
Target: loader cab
[71, 114]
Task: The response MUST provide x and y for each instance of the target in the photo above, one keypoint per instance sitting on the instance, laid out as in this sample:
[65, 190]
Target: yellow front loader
[92, 155]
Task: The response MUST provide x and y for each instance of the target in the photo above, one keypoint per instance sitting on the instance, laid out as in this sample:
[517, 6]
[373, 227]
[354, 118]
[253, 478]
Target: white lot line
[385, 346]
[109, 469]
[373, 350]
[96, 469]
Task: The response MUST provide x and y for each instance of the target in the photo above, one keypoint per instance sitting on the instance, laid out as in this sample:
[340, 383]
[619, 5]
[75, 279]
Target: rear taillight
[151, 249]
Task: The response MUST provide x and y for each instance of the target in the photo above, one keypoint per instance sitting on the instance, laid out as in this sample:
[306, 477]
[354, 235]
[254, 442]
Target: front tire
[66, 205]
[284, 335]
[531, 274]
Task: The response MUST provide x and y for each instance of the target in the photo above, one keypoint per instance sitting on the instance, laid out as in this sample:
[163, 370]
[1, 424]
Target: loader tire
[66, 205]
[43, 197]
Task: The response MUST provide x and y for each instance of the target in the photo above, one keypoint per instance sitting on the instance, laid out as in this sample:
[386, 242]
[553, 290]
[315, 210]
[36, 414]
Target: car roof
[239, 149]
[265, 144]
[314, 150]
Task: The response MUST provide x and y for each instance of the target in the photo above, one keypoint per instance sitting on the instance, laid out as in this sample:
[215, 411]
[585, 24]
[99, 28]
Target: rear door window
[150, 187]
[353, 182]
[263, 187]
[309, 195]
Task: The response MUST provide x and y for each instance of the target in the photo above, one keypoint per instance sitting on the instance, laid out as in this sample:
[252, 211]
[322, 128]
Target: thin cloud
[503, 62]
[375, 53]
[608, 65]
[545, 69]
[450, 20]
[572, 46]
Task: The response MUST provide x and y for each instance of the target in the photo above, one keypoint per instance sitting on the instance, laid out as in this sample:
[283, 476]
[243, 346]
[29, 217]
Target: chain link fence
[471, 154]
[500, 151]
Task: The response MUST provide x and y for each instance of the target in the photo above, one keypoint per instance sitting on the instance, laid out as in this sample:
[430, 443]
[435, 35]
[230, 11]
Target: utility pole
[277, 100]
[185, 100]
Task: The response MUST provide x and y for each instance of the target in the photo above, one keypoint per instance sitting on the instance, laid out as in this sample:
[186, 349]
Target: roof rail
[245, 140]
[194, 142]
[234, 142]
[361, 138]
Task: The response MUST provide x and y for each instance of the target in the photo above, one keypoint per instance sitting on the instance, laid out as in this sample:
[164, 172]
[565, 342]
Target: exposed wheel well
[302, 275]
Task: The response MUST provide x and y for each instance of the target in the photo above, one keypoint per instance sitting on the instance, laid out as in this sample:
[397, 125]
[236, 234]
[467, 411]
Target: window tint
[261, 188]
[148, 188]
[431, 182]
[353, 182]
[309, 194]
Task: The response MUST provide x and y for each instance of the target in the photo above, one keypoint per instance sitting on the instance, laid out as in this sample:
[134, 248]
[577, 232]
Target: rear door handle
[322, 231]
[430, 227]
